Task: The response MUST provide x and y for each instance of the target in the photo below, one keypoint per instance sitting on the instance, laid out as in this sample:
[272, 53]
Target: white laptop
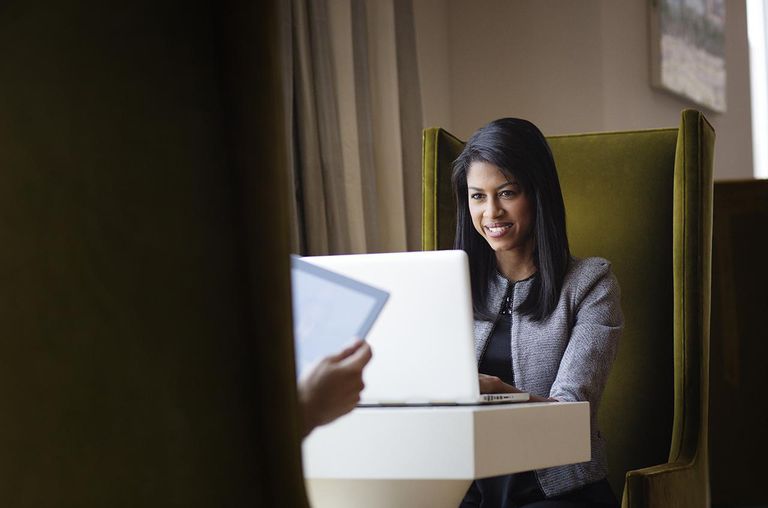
[423, 345]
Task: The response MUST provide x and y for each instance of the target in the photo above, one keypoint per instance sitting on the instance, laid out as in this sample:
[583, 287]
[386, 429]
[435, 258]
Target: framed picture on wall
[688, 50]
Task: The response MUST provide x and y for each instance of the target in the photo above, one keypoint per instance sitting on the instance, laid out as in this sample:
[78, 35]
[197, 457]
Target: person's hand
[333, 387]
[492, 384]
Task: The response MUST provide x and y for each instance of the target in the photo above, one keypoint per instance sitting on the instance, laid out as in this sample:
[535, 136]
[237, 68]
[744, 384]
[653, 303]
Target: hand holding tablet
[332, 388]
[329, 311]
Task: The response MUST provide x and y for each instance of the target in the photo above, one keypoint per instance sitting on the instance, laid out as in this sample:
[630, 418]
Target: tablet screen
[329, 311]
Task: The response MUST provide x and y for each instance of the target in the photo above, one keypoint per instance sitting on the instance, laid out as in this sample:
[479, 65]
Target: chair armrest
[676, 484]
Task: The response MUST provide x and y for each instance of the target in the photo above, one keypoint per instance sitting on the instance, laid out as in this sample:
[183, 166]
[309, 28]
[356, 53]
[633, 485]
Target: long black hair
[519, 149]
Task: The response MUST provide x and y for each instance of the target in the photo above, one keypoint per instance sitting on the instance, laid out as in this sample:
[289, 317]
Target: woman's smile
[497, 229]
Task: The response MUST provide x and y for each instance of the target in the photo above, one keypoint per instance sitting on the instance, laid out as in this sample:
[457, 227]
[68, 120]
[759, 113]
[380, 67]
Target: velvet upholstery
[643, 200]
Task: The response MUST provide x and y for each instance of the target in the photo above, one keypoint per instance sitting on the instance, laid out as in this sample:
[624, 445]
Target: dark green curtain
[145, 349]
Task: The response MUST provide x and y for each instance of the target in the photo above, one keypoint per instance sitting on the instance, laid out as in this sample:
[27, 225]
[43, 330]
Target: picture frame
[688, 50]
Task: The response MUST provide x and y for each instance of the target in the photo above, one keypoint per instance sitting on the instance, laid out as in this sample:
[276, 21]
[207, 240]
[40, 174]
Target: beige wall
[567, 66]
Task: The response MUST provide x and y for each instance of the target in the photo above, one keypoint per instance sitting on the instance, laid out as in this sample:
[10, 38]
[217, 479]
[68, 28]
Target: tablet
[329, 312]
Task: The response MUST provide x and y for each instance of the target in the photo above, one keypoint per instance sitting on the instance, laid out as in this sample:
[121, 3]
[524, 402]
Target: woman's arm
[597, 325]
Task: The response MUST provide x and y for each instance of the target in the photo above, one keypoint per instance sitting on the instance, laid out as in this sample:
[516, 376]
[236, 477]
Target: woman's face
[501, 211]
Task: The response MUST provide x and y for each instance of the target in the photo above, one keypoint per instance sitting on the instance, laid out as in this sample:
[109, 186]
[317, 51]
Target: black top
[497, 357]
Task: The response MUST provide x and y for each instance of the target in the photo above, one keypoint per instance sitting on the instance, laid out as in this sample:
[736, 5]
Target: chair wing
[440, 149]
[643, 200]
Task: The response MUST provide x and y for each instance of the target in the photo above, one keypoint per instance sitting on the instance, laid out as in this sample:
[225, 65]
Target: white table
[428, 456]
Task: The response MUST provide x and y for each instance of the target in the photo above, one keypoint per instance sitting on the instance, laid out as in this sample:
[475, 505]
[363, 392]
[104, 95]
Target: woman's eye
[476, 196]
[508, 194]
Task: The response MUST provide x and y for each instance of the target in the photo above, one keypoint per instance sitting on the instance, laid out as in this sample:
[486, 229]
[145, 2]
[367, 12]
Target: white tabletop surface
[448, 442]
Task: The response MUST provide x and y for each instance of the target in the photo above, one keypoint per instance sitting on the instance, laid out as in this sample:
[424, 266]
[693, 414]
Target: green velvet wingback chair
[643, 200]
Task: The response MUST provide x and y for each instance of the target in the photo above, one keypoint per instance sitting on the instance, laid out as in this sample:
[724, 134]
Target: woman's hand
[492, 384]
[333, 387]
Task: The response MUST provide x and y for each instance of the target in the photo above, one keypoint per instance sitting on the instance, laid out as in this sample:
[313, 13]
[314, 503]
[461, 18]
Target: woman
[545, 322]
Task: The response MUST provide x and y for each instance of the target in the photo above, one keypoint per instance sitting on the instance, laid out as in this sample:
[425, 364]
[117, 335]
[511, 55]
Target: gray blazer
[568, 356]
